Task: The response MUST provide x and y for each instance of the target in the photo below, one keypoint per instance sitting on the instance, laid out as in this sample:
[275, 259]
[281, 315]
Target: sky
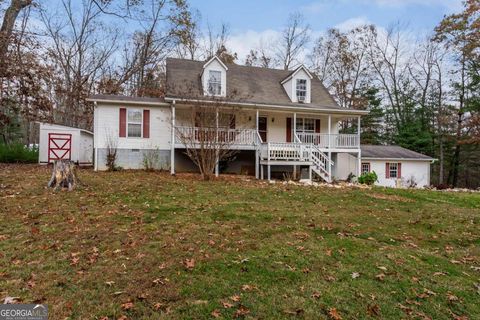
[252, 22]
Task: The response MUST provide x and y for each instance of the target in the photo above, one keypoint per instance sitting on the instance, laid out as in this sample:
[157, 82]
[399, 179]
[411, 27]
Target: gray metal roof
[391, 152]
[244, 84]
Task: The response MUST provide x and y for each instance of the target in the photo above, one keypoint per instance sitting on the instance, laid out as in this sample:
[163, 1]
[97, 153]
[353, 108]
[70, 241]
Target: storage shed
[396, 166]
[58, 142]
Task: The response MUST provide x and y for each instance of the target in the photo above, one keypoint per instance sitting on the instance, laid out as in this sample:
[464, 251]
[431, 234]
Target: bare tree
[81, 46]
[210, 138]
[340, 61]
[293, 40]
[388, 57]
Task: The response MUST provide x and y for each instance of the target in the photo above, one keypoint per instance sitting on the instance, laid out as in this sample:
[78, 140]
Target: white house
[282, 122]
[57, 142]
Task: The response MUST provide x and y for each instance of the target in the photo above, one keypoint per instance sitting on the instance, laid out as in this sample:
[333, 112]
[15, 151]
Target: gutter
[259, 105]
[401, 159]
[163, 104]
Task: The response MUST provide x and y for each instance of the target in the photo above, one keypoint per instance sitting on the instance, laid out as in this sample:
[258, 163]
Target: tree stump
[64, 175]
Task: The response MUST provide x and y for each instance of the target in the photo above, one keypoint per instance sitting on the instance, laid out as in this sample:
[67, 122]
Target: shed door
[59, 146]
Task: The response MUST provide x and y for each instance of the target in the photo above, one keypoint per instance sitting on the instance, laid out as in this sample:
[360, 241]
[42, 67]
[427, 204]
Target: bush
[18, 153]
[368, 178]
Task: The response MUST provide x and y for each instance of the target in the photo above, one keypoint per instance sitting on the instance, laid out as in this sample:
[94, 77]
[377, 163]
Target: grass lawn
[143, 245]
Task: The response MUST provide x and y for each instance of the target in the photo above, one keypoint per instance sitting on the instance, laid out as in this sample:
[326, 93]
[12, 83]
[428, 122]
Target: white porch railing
[341, 141]
[285, 151]
[232, 136]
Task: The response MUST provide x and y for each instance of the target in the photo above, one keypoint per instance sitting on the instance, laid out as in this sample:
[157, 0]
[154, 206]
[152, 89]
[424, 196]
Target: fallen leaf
[11, 300]
[127, 305]
[373, 310]
[189, 263]
[241, 311]
[451, 297]
[227, 305]
[333, 314]
[380, 277]
[316, 295]
[235, 298]
[216, 313]
[355, 275]
[247, 287]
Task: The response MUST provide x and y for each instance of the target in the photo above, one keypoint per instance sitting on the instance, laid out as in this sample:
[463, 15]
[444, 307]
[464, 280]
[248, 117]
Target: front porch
[279, 138]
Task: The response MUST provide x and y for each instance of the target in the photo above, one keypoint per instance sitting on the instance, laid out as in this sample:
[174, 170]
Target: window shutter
[399, 174]
[146, 123]
[317, 125]
[232, 122]
[122, 132]
[387, 170]
[289, 130]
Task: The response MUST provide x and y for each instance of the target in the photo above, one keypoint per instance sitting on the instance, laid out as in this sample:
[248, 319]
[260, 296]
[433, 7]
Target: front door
[262, 128]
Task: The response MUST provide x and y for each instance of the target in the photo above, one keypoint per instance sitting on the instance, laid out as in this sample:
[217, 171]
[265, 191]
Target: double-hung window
[134, 123]
[215, 83]
[301, 90]
[393, 170]
[365, 167]
[305, 125]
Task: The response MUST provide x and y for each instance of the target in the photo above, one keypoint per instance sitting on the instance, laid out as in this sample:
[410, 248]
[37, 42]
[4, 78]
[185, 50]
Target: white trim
[295, 72]
[399, 159]
[139, 102]
[215, 58]
[135, 123]
[273, 106]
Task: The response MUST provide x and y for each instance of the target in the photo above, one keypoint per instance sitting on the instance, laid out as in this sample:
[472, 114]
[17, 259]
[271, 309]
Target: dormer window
[215, 83]
[301, 90]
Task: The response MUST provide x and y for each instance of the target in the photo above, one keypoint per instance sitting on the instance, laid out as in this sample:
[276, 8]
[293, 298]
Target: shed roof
[391, 152]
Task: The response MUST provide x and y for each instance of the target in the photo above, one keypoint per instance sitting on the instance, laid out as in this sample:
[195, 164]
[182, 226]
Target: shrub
[18, 153]
[151, 159]
[368, 178]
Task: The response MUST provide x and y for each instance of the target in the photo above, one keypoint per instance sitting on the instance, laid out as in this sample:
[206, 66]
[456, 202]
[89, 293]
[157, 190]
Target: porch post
[172, 143]
[330, 147]
[358, 130]
[329, 131]
[359, 164]
[294, 140]
[217, 169]
[294, 125]
[257, 155]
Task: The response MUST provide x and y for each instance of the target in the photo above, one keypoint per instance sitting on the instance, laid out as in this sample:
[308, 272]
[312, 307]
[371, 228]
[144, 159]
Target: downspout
[172, 141]
[95, 147]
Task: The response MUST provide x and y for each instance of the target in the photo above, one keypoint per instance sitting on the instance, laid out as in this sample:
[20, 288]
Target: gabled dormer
[214, 78]
[298, 85]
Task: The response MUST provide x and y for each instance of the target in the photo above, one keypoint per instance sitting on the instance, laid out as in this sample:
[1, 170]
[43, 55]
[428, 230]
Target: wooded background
[423, 92]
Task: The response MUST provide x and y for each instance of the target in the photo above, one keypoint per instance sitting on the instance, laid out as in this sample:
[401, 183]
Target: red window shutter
[317, 125]
[146, 123]
[399, 174]
[289, 130]
[122, 132]
[387, 170]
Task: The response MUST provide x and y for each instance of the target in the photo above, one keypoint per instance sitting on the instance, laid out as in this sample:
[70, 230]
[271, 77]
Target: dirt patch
[389, 197]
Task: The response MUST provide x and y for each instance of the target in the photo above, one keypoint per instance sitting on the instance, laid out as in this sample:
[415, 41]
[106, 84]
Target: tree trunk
[64, 175]
[6, 30]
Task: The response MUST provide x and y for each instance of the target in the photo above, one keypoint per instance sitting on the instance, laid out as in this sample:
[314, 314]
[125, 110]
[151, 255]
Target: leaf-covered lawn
[141, 245]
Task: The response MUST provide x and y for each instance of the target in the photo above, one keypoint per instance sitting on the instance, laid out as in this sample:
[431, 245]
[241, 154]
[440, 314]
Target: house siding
[418, 170]
[130, 151]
